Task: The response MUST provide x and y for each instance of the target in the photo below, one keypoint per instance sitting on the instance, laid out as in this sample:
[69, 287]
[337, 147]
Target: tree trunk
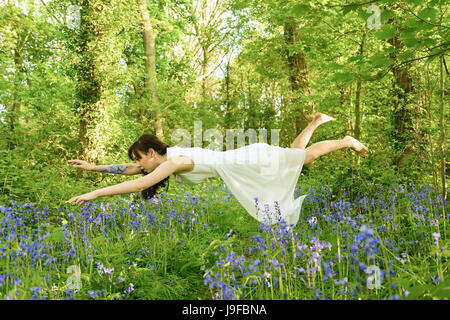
[403, 120]
[357, 129]
[442, 128]
[345, 101]
[16, 100]
[150, 73]
[90, 82]
[204, 71]
[427, 98]
[298, 75]
[228, 106]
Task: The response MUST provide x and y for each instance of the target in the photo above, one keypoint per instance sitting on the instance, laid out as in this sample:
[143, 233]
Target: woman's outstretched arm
[128, 169]
[164, 170]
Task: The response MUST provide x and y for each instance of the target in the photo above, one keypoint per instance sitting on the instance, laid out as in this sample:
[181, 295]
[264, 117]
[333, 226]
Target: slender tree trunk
[428, 97]
[228, 105]
[16, 100]
[344, 95]
[357, 129]
[403, 120]
[442, 128]
[204, 71]
[298, 75]
[345, 101]
[149, 36]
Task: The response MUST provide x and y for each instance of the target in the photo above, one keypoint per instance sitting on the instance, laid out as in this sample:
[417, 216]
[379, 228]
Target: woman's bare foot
[321, 118]
[355, 145]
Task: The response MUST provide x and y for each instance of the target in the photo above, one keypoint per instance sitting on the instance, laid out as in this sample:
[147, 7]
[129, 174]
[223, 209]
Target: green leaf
[428, 14]
[343, 77]
[349, 8]
[385, 15]
[429, 42]
[380, 60]
[437, 50]
[418, 291]
[368, 76]
[386, 32]
[407, 55]
[414, 23]
[442, 290]
[408, 38]
[354, 58]
[56, 235]
[300, 10]
[389, 50]
[446, 253]
[363, 14]
[414, 2]
[335, 66]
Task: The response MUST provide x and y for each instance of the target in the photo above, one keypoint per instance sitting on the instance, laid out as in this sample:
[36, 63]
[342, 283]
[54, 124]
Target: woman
[262, 177]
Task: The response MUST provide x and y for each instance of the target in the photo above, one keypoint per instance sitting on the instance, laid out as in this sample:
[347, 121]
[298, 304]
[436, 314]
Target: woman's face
[147, 161]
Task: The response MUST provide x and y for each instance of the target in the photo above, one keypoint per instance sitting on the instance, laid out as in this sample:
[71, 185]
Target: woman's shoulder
[184, 164]
[181, 157]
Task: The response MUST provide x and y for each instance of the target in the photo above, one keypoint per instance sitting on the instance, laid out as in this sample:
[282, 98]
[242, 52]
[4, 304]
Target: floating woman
[262, 177]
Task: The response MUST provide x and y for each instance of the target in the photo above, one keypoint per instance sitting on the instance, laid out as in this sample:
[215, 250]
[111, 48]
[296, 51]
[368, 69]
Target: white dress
[268, 173]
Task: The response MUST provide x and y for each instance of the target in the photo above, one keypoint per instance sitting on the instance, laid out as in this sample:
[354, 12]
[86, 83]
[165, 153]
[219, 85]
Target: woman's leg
[303, 138]
[320, 148]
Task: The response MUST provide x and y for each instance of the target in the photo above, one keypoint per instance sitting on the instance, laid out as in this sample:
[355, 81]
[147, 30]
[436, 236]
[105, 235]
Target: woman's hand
[81, 164]
[80, 200]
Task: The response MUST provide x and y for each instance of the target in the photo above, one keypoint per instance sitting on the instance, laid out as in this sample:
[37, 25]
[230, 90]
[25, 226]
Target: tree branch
[405, 62]
[351, 4]
[50, 12]
[445, 65]
[342, 34]
[412, 12]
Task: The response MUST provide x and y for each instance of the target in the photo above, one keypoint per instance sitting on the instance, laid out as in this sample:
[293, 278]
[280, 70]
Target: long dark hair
[143, 144]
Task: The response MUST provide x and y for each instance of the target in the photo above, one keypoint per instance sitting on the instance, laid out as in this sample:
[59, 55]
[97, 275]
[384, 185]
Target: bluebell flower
[318, 294]
[274, 262]
[436, 237]
[209, 280]
[341, 282]
[312, 221]
[130, 288]
[436, 279]
[108, 271]
[3, 277]
[36, 291]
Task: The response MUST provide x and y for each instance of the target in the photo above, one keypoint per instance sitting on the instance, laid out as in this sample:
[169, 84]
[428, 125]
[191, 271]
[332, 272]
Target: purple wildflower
[130, 288]
[436, 237]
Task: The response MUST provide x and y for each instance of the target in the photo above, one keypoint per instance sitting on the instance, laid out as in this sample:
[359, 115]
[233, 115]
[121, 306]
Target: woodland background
[137, 66]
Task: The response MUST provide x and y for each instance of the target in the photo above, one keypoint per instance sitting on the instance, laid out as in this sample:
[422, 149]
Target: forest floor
[200, 243]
